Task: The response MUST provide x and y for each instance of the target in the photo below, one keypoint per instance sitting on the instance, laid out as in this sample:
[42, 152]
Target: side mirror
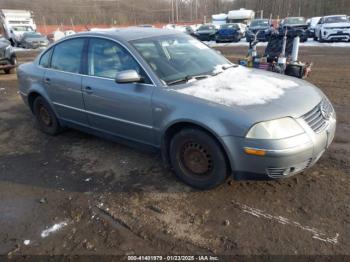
[128, 76]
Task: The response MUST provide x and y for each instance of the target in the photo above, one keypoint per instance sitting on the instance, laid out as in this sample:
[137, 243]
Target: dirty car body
[164, 89]
[8, 60]
[33, 40]
[229, 33]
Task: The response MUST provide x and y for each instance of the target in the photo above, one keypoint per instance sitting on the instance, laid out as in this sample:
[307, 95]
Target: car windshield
[22, 28]
[207, 27]
[314, 21]
[176, 57]
[259, 23]
[295, 21]
[230, 26]
[336, 19]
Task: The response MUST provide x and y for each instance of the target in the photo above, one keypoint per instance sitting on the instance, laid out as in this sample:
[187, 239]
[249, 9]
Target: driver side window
[106, 58]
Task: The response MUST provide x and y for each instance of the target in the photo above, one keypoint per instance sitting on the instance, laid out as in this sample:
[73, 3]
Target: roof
[131, 33]
[333, 16]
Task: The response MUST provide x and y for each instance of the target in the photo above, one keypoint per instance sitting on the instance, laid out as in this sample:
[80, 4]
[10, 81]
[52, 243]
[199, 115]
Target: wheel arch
[31, 98]
[176, 127]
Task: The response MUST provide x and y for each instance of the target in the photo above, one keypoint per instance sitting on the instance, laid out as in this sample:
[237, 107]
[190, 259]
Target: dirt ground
[96, 197]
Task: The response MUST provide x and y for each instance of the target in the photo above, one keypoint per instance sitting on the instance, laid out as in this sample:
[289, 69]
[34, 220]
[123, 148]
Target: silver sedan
[167, 91]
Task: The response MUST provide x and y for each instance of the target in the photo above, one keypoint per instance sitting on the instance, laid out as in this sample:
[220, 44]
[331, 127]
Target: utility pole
[172, 11]
[177, 10]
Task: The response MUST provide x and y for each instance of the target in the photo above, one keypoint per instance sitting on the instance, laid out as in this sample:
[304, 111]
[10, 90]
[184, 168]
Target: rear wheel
[45, 117]
[198, 159]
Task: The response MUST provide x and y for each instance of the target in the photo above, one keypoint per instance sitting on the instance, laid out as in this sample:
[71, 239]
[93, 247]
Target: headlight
[275, 129]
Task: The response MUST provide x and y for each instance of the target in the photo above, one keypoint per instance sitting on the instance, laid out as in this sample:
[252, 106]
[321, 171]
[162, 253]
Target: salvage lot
[105, 198]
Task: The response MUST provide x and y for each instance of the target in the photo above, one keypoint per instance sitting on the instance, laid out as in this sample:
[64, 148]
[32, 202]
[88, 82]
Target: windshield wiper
[186, 79]
[225, 67]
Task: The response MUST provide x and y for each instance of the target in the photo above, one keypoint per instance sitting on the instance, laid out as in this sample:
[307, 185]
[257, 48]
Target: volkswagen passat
[165, 89]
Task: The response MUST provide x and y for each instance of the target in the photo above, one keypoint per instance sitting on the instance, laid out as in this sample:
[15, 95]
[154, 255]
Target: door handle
[88, 90]
[47, 80]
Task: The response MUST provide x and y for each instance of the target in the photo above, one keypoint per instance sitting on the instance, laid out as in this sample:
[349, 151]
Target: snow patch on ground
[239, 86]
[317, 234]
[53, 229]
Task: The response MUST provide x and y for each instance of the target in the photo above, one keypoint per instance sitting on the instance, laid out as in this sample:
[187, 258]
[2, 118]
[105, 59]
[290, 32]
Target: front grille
[318, 117]
[2, 53]
[276, 172]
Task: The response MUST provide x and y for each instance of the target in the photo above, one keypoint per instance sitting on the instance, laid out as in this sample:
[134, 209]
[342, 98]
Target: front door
[124, 110]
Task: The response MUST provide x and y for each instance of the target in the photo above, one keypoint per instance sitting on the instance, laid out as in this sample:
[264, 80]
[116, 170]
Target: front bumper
[227, 38]
[336, 34]
[284, 157]
[5, 63]
[205, 37]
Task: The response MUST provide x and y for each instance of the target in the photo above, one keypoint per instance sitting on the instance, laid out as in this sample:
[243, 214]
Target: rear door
[124, 110]
[63, 80]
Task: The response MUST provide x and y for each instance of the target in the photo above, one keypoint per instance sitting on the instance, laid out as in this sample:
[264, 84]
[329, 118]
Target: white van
[16, 23]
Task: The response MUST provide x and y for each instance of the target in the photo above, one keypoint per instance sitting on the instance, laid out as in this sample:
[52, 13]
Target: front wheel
[46, 118]
[198, 159]
[14, 64]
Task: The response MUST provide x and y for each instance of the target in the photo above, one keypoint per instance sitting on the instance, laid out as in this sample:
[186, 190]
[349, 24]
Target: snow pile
[53, 229]
[239, 86]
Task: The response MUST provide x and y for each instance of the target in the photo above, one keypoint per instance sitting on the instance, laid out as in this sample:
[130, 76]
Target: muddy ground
[105, 198]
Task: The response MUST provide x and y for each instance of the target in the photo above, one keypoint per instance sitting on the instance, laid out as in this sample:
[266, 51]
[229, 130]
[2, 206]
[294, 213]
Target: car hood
[337, 25]
[262, 95]
[35, 39]
[227, 31]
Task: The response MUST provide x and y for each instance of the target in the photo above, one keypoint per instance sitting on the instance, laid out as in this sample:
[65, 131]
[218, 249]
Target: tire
[14, 69]
[320, 39]
[46, 118]
[198, 159]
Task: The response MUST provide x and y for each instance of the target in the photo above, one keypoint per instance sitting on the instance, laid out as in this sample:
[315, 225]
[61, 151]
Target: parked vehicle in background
[206, 32]
[33, 40]
[312, 23]
[69, 32]
[229, 33]
[259, 28]
[146, 25]
[16, 23]
[8, 59]
[333, 28]
[190, 31]
[242, 16]
[295, 26]
[219, 19]
[243, 28]
[210, 118]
